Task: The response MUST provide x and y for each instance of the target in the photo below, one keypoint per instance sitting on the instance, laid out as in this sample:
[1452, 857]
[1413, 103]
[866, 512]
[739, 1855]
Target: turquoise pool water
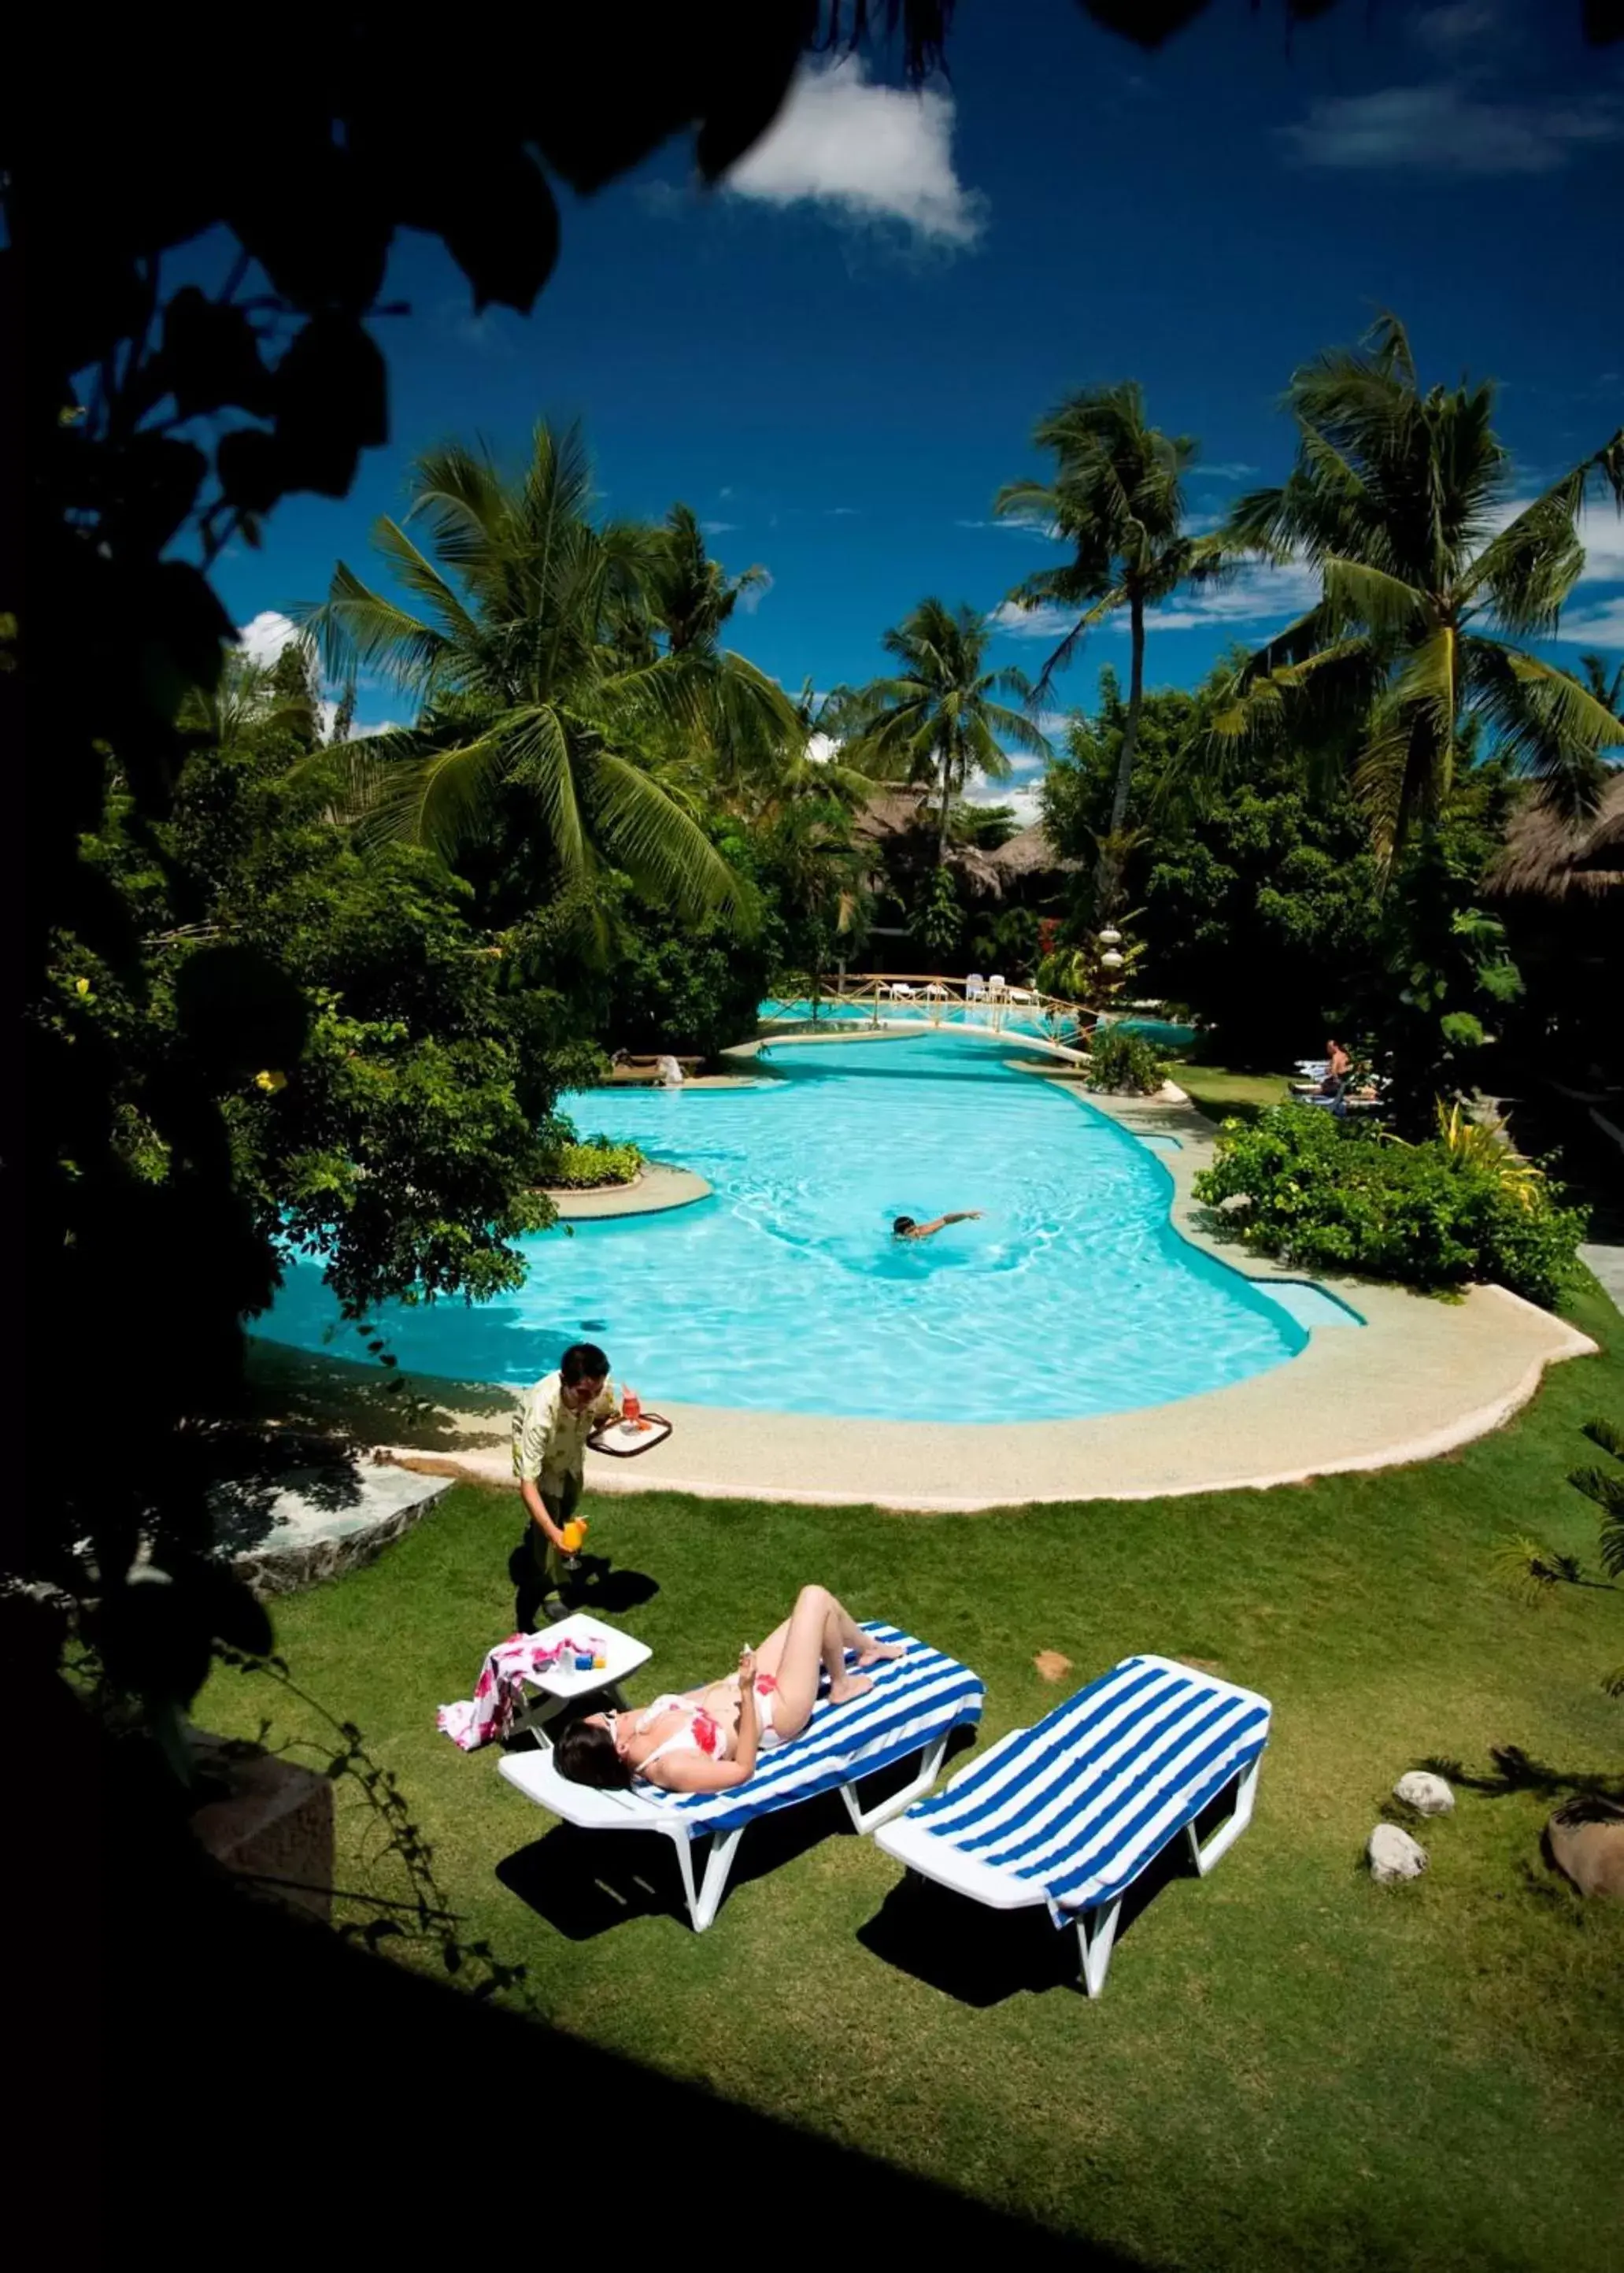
[786, 1292]
[940, 1017]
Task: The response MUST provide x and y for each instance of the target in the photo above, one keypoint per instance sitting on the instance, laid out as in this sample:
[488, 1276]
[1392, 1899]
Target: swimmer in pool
[905, 1227]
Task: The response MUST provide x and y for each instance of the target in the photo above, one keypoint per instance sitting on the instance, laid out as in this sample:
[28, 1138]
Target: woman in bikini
[707, 1739]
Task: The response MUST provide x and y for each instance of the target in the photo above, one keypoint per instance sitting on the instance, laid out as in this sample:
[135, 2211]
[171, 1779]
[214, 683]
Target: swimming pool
[785, 1291]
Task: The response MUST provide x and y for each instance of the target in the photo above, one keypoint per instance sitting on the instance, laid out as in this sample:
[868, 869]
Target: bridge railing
[931, 998]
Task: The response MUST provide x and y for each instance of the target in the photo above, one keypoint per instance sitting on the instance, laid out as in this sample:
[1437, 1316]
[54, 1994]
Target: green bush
[1126, 1063]
[1328, 1194]
[580, 1165]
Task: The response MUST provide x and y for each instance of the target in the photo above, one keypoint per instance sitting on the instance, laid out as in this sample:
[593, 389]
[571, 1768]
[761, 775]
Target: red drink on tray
[632, 1408]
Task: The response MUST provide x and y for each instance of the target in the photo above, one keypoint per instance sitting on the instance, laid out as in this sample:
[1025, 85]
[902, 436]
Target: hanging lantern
[1112, 960]
[1109, 937]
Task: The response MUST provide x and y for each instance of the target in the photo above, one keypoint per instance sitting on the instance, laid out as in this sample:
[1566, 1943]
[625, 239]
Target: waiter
[550, 1430]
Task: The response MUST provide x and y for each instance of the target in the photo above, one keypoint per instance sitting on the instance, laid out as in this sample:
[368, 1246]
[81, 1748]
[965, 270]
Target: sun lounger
[918, 1700]
[1069, 1813]
[975, 987]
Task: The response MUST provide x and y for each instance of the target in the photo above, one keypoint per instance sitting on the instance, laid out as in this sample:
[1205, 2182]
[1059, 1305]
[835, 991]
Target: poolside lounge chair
[975, 987]
[918, 1700]
[1069, 1813]
[899, 991]
[998, 984]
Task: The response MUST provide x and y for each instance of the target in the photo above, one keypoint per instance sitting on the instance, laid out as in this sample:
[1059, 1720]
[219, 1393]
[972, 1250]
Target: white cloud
[1255, 594]
[821, 748]
[1019, 524]
[841, 512]
[1454, 30]
[1444, 129]
[867, 153]
[717, 528]
[1600, 626]
[1026, 803]
[1228, 470]
[751, 598]
[263, 639]
[1044, 622]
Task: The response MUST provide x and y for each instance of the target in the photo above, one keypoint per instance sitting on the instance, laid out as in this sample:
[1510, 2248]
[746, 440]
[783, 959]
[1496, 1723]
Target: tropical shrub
[580, 1164]
[1123, 1063]
[1532, 1569]
[1333, 1195]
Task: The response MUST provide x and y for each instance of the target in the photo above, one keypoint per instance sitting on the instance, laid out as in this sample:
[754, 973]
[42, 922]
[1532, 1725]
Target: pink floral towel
[498, 1694]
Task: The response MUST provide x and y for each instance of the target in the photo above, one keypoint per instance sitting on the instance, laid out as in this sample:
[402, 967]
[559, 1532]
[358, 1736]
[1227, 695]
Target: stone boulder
[1586, 1841]
[268, 1819]
[1427, 1794]
[1393, 1855]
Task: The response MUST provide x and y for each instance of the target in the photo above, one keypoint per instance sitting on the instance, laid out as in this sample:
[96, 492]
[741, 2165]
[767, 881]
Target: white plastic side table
[581, 1631]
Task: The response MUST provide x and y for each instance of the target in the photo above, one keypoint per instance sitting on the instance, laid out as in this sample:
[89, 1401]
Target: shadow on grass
[585, 1883]
[1515, 1771]
[982, 1957]
[361, 1404]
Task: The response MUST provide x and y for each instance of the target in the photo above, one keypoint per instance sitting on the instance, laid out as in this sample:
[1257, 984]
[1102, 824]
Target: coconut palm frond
[670, 854]
[358, 629]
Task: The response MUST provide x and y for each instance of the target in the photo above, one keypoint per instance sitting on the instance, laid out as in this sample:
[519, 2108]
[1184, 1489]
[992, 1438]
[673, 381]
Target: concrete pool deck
[1419, 1378]
[656, 1190]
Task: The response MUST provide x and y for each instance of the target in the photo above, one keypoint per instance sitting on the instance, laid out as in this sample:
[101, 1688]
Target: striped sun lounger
[916, 1702]
[1069, 1813]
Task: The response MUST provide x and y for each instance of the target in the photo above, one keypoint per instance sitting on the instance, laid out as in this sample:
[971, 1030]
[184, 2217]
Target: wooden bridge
[916, 998]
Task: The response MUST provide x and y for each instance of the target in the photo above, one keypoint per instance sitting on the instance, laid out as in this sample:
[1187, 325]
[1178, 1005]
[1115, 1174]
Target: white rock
[1394, 1854]
[1427, 1794]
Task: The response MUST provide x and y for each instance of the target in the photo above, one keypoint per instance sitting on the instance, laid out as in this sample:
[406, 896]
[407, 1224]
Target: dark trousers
[538, 1569]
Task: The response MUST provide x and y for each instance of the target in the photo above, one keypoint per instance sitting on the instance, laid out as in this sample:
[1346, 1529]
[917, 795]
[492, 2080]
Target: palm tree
[1118, 499]
[935, 719]
[1394, 500]
[532, 669]
[692, 595]
[1606, 686]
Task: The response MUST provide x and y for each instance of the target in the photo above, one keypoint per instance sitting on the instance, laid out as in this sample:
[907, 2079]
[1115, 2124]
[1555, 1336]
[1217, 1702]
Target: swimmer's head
[901, 1229]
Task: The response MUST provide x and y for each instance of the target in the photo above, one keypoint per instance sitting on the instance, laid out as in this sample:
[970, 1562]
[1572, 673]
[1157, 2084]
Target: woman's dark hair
[903, 1223]
[582, 1362]
[584, 1752]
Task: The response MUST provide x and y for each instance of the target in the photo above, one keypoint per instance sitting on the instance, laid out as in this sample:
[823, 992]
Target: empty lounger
[1069, 1813]
[918, 1700]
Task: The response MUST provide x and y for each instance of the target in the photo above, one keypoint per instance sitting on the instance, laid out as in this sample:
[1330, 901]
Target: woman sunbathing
[706, 1739]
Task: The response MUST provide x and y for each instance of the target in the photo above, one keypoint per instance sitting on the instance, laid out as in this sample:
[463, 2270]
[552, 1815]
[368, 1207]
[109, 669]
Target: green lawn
[1290, 2066]
[1224, 1094]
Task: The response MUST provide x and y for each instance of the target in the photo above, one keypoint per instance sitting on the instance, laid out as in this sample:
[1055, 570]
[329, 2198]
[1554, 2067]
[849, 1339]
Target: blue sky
[838, 358]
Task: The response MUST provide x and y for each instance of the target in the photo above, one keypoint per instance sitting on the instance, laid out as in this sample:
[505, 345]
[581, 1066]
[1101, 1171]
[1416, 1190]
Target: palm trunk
[1107, 876]
[1136, 699]
[942, 843]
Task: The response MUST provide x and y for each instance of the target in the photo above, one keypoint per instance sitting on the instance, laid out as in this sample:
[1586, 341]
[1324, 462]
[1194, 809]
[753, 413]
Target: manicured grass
[1225, 1095]
[1289, 2066]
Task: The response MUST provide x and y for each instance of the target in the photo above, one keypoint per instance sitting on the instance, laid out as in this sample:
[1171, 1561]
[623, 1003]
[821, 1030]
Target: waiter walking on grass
[550, 1430]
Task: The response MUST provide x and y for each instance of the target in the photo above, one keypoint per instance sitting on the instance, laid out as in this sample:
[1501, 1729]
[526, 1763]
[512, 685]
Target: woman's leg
[812, 1637]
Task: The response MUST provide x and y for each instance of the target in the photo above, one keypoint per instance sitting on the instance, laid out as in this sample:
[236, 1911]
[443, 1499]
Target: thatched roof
[1030, 852]
[891, 813]
[1547, 858]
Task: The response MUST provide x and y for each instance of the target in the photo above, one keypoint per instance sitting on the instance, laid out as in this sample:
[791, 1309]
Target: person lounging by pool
[707, 1739]
[905, 1227]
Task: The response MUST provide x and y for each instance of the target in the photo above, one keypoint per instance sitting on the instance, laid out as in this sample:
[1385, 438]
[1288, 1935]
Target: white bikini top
[699, 1732]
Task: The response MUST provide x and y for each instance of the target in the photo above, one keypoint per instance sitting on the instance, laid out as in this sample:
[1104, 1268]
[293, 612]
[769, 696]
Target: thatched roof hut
[891, 814]
[1030, 852]
[1549, 858]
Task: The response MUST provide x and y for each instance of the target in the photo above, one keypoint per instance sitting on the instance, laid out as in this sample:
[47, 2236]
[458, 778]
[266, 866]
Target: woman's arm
[749, 1727]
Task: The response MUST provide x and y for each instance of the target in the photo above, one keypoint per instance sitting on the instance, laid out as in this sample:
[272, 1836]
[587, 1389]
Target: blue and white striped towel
[1086, 1797]
[915, 1699]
